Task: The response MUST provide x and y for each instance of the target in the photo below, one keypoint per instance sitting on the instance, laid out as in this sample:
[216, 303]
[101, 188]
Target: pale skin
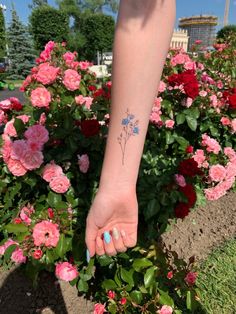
[142, 39]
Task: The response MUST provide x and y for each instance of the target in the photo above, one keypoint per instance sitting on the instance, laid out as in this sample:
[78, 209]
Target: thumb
[90, 237]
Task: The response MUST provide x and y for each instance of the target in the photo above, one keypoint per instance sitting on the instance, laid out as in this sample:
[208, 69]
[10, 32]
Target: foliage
[37, 3]
[227, 34]
[47, 23]
[63, 128]
[90, 6]
[2, 35]
[21, 53]
[217, 274]
[98, 30]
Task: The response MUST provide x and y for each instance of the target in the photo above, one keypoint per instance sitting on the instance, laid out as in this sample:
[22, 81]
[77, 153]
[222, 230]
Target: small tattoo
[129, 128]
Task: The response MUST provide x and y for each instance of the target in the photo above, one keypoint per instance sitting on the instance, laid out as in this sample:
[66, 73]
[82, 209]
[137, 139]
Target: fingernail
[87, 256]
[107, 237]
[123, 233]
[115, 233]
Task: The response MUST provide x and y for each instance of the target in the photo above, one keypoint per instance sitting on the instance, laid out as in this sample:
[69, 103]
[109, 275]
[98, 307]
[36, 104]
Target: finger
[108, 244]
[129, 240]
[90, 238]
[99, 247]
[118, 241]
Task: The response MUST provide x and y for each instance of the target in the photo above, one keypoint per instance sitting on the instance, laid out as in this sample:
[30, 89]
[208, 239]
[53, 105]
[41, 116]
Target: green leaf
[189, 300]
[141, 263]
[192, 123]
[109, 284]
[54, 199]
[19, 126]
[82, 286]
[169, 138]
[105, 260]
[61, 247]
[136, 296]
[149, 276]
[152, 209]
[165, 299]
[127, 276]
[51, 256]
[16, 228]
[180, 118]
[182, 141]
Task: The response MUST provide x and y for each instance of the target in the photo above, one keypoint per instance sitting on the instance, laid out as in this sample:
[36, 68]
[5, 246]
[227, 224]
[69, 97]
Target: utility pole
[226, 15]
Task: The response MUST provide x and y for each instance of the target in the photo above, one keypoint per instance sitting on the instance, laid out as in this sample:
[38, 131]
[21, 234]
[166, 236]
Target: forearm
[142, 38]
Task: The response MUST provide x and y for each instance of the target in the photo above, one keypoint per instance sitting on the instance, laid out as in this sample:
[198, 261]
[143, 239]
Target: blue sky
[184, 8]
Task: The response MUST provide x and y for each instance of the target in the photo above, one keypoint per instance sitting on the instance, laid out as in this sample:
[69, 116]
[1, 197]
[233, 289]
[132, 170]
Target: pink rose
[51, 170]
[42, 119]
[10, 129]
[162, 87]
[233, 125]
[6, 148]
[24, 118]
[190, 278]
[69, 56]
[40, 97]
[230, 153]
[99, 308]
[37, 254]
[32, 159]
[217, 173]
[25, 218]
[84, 65]
[5, 104]
[211, 144]
[71, 80]
[18, 256]
[83, 162]
[47, 74]
[18, 149]
[231, 170]
[37, 133]
[4, 246]
[180, 180]
[203, 93]
[111, 294]
[190, 65]
[225, 121]
[66, 271]
[16, 168]
[169, 124]
[3, 117]
[46, 233]
[166, 310]
[60, 184]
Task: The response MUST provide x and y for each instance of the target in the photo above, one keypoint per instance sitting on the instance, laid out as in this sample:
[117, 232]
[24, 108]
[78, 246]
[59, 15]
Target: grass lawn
[15, 82]
[217, 280]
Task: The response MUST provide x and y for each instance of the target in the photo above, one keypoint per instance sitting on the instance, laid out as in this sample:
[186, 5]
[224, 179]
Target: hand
[112, 222]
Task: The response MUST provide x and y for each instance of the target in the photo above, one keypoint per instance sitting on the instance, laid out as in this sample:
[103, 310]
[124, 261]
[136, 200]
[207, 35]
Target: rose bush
[52, 152]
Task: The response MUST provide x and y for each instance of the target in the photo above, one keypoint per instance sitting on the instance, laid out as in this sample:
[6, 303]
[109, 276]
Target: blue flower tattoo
[129, 128]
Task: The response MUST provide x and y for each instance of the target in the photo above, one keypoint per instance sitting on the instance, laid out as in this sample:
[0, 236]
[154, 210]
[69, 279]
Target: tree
[2, 34]
[21, 52]
[37, 3]
[227, 34]
[98, 29]
[48, 23]
[92, 6]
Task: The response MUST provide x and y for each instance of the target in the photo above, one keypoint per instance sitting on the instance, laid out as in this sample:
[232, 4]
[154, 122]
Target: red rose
[182, 210]
[190, 193]
[189, 149]
[189, 167]
[15, 103]
[174, 79]
[232, 101]
[191, 89]
[90, 127]
[99, 92]
[92, 88]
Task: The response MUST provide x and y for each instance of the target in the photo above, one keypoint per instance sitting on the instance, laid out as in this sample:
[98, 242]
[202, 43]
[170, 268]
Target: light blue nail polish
[87, 256]
[107, 237]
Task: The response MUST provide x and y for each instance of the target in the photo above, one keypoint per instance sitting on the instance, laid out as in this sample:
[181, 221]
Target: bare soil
[197, 235]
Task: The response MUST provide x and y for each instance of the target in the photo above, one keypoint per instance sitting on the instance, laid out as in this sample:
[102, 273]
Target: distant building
[180, 39]
[200, 27]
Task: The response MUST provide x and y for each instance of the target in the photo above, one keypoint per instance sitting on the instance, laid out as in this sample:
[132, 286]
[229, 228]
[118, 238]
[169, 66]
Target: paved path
[4, 94]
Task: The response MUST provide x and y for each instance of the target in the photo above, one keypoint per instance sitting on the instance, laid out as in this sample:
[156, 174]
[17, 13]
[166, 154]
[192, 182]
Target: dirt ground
[195, 235]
